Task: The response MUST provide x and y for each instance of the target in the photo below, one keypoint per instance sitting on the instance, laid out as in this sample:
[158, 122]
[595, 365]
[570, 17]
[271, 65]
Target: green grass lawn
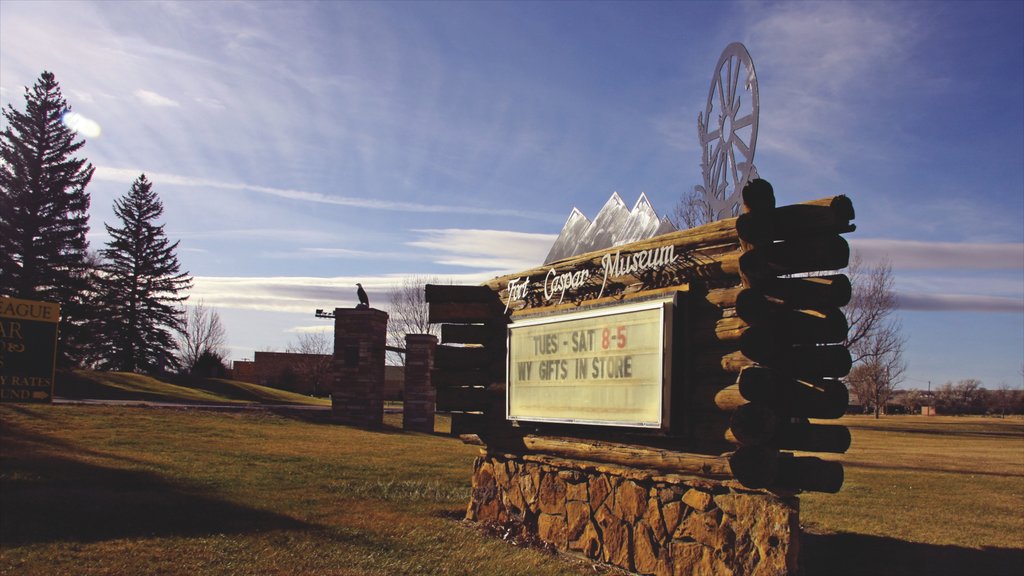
[116, 490]
[89, 384]
[923, 495]
[129, 490]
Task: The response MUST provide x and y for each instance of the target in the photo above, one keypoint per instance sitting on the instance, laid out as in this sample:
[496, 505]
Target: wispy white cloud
[282, 234]
[304, 294]
[949, 276]
[917, 301]
[150, 98]
[127, 175]
[488, 249]
[314, 329]
[321, 253]
[917, 255]
[816, 58]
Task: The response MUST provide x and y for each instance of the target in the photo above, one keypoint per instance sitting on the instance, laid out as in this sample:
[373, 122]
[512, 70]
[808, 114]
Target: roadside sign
[28, 349]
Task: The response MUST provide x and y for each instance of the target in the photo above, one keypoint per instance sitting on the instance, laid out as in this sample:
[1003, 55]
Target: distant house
[305, 373]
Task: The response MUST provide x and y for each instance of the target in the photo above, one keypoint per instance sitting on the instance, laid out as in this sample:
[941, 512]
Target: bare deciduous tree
[691, 211]
[875, 339]
[316, 364]
[201, 334]
[1003, 400]
[408, 313]
[965, 397]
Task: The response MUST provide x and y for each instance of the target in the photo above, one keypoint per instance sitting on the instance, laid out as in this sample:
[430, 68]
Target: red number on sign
[606, 335]
[620, 336]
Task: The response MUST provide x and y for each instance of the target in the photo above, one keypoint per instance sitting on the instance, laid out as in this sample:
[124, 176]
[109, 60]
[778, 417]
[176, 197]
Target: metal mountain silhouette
[614, 225]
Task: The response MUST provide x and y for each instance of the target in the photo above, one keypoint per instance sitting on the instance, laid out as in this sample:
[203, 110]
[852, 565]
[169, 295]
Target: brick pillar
[419, 395]
[358, 394]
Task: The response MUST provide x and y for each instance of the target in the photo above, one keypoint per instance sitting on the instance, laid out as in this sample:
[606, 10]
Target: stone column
[358, 394]
[419, 394]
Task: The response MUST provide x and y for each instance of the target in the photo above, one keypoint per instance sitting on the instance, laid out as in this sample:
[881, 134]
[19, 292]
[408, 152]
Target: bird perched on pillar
[364, 300]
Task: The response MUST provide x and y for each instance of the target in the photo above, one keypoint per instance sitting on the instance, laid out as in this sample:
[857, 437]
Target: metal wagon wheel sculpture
[728, 132]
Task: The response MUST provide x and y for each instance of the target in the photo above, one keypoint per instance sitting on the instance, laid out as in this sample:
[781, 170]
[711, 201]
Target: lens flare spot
[81, 124]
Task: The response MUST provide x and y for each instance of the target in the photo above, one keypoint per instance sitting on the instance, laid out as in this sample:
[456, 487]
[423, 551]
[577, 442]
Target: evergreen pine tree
[144, 284]
[44, 211]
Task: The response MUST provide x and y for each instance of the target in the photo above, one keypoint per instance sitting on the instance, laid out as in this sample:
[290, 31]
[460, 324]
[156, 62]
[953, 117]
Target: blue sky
[301, 147]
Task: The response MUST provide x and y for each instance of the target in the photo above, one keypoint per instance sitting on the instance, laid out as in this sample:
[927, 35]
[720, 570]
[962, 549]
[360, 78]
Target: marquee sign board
[609, 367]
[28, 346]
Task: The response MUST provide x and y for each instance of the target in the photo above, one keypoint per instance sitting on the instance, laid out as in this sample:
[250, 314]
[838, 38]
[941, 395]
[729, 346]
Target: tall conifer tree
[144, 284]
[44, 210]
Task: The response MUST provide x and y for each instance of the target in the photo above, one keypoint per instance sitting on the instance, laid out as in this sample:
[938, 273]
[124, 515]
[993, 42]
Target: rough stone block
[576, 491]
[551, 496]
[702, 528]
[672, 513]
[599, 489]
[654, 520]
[630, 501]
[551, 528]
[698, 500]
[589, 543]
[646, 550]
[615, 538]
[577, 516]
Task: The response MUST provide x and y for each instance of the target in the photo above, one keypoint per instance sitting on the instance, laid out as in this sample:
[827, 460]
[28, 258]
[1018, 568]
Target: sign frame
[667, 325]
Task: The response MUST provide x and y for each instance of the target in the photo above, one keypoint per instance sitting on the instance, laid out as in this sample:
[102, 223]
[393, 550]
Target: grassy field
[923, 495]
[115, 490]
[88, 384]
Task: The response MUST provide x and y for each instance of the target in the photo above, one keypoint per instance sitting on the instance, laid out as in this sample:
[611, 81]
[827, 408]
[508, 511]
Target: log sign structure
[653, 415]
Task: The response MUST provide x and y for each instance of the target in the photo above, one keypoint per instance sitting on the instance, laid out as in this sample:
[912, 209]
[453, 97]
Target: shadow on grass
[48, 497]
[847, 554]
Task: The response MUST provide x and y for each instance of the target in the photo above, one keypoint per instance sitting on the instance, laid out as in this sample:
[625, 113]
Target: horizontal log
[754, 424]
[728, 329]
[629, 455]
[462, 399]
[465, 356]
[831, 360]
[796, 221]
[810, 293]
[755, 466]
[447, 377]
[792, 328]
[814, 437]
[730, 398]
[465, 312]
[471, 439]
[706, 252]
[615, 299]
[735, 362]
[794, 257]
[810, 474]
[758, 196]
[841, 205]
[487, 334]
[722, 297]
[469, 423]
[811, 398]
[784, 327]
[447, 293]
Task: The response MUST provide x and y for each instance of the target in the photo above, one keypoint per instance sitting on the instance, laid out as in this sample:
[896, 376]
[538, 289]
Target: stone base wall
[638, 520]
